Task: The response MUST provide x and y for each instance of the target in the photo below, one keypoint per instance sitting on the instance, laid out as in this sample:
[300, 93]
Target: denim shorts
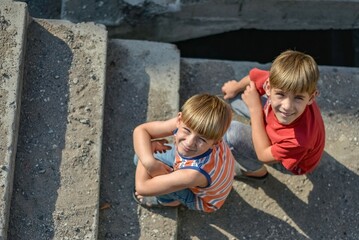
[239, 137]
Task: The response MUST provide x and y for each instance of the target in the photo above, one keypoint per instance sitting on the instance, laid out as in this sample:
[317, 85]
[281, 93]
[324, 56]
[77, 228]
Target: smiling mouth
[187, 149]
[286, 114]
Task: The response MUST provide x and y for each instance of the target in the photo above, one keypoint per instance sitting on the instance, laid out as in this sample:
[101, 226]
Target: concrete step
[114, 13]
[142, 85]
[57, 173]
[175, 20]
[13, 25]
[284, 206]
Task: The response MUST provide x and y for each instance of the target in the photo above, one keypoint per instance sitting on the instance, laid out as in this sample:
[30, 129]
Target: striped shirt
[217, 165]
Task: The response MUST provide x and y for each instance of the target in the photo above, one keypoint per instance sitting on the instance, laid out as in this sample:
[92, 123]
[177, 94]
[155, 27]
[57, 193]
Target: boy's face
[189, 143]
[288, 106]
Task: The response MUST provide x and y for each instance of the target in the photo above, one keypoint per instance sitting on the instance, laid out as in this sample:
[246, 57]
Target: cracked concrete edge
[15, 21]
[160, 63]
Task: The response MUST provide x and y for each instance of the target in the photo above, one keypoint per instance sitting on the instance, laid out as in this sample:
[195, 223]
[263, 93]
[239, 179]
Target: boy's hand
[229, 89]
[251, 97]
[159, 168]
[158, 146]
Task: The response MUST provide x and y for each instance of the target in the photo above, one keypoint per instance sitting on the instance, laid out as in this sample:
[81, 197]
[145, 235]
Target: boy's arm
[231, 88]
[142, 137]
[261, 142]
[167, 183]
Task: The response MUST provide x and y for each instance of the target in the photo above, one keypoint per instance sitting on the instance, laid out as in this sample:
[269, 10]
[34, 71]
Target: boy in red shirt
[289, 129]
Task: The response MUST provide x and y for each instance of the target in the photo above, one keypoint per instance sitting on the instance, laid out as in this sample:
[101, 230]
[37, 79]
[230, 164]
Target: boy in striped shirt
[197, 171]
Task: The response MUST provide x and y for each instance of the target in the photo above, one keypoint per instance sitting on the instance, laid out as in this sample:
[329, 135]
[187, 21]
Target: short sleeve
[259, 77]
[289, 156]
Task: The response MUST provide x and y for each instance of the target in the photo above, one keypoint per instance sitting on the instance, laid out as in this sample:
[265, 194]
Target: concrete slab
[142, 84]
[13, 25]
[113, 12]
[209, 17]
[46, 9]
[57, 174]
[321, 205]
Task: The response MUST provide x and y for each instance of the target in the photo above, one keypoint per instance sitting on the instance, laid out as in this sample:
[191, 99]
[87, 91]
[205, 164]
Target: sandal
[240, 174]
[150, 202]
[240, 177]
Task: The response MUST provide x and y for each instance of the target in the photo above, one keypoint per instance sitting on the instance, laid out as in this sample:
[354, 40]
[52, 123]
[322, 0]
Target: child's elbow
[140, 189]
[136, 130]
[266, 160]
[261, 158]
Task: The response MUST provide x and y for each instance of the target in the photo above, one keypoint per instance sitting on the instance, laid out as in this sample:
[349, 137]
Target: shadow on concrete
[41, 135]
[321, 205]
[125, 108]
[47, 9]
[331, 202]
[235, 220]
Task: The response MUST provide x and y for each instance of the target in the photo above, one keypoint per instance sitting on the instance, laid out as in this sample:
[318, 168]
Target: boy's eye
[203, 140]
[299, 97]
[186, 130]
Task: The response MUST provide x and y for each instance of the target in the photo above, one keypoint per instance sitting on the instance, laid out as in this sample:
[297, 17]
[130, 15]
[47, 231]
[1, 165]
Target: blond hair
[208, 115]
[294, 71]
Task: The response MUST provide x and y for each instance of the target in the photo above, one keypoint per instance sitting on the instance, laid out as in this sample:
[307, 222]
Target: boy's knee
[238, 134]
[232, 134]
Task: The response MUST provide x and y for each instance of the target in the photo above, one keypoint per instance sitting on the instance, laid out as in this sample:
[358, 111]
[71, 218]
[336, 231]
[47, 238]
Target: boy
[198, 170]
[289, 130]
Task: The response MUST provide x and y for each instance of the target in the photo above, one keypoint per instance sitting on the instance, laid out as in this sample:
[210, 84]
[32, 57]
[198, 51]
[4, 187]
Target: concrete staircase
[70, 98]
[51, 190]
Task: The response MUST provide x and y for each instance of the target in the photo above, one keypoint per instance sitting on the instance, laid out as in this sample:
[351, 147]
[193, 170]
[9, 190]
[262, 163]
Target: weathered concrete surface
[114, 12]
[171, 21]
[204, 18]
[44, 9]
[57, 172]
[142, 85]
[13, 25]
[321, 205]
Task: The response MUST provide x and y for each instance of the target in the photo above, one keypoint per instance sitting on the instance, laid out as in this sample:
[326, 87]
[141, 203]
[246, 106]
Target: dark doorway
[328, 47]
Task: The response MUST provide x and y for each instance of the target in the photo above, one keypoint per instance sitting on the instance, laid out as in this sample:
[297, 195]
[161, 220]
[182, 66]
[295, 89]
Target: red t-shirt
[298, 146]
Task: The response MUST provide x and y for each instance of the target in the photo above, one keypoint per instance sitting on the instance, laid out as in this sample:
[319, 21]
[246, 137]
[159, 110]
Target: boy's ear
[267, 87]
[179, 118]
[313, 96]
